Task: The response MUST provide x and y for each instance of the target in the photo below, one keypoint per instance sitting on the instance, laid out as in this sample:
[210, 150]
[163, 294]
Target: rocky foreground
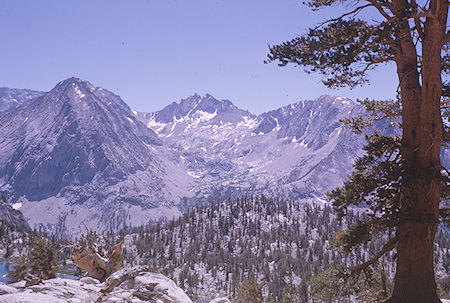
[126, 285]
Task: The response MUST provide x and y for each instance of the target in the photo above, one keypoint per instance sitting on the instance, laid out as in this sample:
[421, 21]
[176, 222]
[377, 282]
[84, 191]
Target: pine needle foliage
[249, 291]
[376, 181]
[40, 263]
[19, 271]
[42, 258]
[332, 285]
[374, 184]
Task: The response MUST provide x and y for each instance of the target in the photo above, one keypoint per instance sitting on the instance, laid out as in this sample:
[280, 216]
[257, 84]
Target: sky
[154, 52]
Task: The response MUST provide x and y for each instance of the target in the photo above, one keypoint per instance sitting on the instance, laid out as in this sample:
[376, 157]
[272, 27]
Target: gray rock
[135, 286]
[12, 216]
[89, 280]
[83, 146]
[138, 284]
[5, 289]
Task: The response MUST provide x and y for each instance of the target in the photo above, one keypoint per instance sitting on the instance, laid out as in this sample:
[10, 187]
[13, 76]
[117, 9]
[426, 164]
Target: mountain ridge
[81, 153]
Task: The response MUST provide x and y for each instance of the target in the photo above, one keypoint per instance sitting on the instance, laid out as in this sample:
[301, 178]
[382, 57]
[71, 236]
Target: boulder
[220, 300]
[53, 290]
[89, 280]
[140, 286]
[32, 280]
[5, 289]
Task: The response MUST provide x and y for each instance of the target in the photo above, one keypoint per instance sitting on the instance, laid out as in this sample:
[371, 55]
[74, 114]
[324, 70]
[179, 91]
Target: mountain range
[297, 151]
[79, 157]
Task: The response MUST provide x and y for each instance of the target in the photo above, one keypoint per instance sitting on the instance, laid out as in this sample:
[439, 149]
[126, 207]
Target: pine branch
[417, 21]
[380, 9]
[353, 12]
[390, 245]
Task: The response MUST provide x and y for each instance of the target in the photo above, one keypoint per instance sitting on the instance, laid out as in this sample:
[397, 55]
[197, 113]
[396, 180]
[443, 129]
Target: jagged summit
[73, 81]
[189, 107]
[76, 90]
[84, 134]
[73, 88]
[299, 150]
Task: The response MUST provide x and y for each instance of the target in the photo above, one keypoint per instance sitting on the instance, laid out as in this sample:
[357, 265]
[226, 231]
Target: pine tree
[249, 291]
[290, 294]
[414, 37]
[42, 259]
[19, 270]
[41, 262]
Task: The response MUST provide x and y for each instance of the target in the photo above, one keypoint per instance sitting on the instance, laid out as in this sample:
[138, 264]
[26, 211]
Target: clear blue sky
[153, 52]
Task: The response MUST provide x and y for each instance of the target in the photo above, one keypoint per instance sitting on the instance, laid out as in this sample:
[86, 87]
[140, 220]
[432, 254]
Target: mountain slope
[82, 146]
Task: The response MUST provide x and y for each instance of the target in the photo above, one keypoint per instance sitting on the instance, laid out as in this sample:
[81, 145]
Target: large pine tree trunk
[414, 279]
[422, 135]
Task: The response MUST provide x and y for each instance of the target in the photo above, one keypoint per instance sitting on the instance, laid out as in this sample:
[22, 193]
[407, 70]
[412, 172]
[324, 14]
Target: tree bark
[421, 141]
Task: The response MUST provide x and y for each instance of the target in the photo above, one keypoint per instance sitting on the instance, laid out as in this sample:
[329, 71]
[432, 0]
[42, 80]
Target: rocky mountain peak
[74, 81]
[73, 88]
[79, 143]
[191, 106]
[210, 104]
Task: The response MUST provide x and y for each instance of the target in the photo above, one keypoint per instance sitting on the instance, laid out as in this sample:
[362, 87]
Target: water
[70, 277]
[4, 268]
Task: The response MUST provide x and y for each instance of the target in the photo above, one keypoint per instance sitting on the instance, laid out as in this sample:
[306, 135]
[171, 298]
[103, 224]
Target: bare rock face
[68, 136]
[11, 215]
[10, 98]
[97, 265]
